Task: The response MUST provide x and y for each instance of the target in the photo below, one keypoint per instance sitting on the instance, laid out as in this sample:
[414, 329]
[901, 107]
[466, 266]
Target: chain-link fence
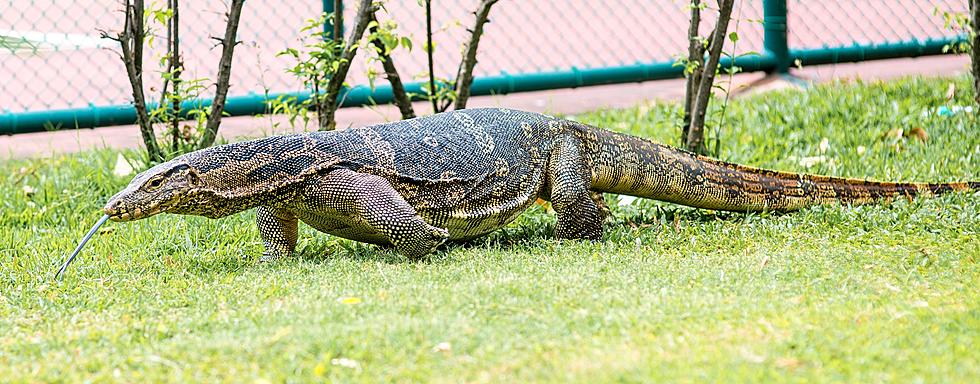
[53, 60]
[815, 24]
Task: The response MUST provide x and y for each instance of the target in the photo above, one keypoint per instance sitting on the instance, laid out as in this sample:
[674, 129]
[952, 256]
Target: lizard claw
[269, 258]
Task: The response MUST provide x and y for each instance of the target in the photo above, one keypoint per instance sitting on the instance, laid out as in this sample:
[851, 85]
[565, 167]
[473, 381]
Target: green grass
[862, 294]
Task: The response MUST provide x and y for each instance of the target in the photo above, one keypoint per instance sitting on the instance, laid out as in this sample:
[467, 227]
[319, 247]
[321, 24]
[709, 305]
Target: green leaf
[289, 51]
[733, 36]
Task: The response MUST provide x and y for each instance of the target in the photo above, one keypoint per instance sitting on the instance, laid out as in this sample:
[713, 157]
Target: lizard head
[167, 187]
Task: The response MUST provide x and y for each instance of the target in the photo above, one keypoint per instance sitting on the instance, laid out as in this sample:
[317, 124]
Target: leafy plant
[958, 22]
[967, 24]
[385, 39]
[320, 59]
[322, 64]
[315, 63]
[133, 38]
[442, 92]
[702, 73]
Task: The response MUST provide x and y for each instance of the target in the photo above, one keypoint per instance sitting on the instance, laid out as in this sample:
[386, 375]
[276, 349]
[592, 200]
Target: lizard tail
[633, 166]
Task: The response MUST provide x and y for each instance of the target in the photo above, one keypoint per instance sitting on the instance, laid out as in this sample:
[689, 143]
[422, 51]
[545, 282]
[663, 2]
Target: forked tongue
[78, 249]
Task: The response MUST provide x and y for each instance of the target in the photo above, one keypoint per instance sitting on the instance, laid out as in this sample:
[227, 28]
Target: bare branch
[328, 104]
[139, 34]
[428, 49]
[402, 100]
[695, 59]
[224, 75]
[168, 55]
[464, 76]
[176, 67]
[131, 43]
[106, 35]
[695, 137]
[338, 21]
[975, 50]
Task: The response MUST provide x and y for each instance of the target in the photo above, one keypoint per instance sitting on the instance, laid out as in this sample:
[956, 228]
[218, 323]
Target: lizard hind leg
[580, 211]
[372, 206]
[278, 228]
[384, 209]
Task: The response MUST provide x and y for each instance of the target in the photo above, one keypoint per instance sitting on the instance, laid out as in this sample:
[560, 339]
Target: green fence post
[328, 8]
[775, 38]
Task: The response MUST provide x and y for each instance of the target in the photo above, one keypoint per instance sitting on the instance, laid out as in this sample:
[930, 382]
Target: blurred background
[53, 58]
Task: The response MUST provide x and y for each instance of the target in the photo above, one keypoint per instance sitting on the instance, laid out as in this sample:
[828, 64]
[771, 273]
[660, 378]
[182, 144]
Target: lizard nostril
[113, 206]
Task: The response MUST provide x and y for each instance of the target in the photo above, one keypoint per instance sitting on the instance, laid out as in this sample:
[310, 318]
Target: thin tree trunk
[328, 104]
[176, 67]
[170, 62]
[402, 100]
[338, 21]
[464, 77]
[131, 43]
[338, 39]
[139, 35]
[695, 137]
[228, 44]
[695, 58]
[975, 50]
[428, 49]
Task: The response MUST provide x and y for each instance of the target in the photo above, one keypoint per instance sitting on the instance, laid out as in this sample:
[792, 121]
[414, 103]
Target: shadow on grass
[326, 248]
[530, 230]
[651, 212]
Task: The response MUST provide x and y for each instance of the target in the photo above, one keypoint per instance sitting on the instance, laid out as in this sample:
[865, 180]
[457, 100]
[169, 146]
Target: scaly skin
[416, 183]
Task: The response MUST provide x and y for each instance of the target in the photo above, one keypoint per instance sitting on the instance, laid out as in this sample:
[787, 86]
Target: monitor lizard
[414, 184]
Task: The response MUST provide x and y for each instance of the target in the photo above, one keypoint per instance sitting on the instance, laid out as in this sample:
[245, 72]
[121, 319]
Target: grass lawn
[863, 294]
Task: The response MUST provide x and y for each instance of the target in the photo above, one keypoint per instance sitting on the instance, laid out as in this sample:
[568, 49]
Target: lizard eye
[153, 184]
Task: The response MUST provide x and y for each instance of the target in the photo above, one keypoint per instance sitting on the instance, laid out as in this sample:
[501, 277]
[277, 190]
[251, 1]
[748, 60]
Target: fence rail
[63, 77]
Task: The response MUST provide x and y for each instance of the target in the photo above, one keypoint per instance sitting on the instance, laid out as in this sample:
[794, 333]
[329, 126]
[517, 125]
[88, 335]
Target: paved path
[566, 101]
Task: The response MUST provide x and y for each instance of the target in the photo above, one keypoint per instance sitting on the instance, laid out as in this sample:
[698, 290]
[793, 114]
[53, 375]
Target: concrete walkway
[564, 101]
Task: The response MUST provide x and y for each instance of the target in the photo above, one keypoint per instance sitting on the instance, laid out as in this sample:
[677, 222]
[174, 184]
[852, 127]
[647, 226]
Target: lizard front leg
[278, 228]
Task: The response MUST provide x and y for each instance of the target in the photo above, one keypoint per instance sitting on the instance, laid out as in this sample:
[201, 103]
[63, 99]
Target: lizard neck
[240, 176]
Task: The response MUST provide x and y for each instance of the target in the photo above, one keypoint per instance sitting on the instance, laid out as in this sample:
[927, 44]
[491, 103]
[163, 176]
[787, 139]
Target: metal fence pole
[775, 39]
[328, 8]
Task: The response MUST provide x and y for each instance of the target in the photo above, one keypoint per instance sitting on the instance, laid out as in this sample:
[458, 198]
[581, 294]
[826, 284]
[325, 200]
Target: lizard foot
[422, 242]
[270, 258]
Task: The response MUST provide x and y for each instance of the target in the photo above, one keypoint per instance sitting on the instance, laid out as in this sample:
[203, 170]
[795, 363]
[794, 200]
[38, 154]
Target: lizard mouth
[118, 213]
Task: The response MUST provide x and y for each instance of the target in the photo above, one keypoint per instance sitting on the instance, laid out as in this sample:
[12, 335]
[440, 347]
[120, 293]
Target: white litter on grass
[948, 111]
[625, 200]
[810, 161]
[824, 145]
[442, 347]
[36, 41]
[345, 362]
[122, 168]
